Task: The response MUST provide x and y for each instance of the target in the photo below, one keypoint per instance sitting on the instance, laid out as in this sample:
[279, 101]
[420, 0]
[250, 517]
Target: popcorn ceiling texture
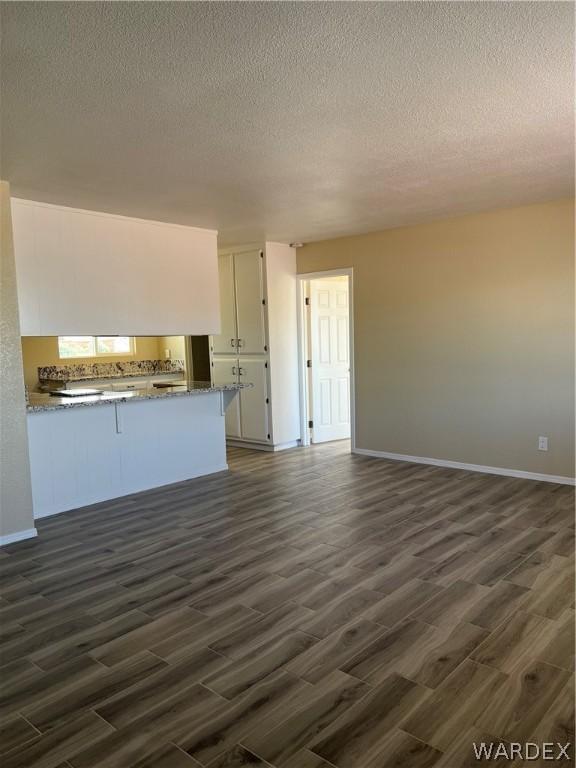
[288, 121]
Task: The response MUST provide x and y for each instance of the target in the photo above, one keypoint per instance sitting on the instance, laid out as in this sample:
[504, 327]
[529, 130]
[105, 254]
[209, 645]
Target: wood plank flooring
[308, 609]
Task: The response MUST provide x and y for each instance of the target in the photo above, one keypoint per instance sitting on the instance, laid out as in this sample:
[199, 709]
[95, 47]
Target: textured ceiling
[288, 121]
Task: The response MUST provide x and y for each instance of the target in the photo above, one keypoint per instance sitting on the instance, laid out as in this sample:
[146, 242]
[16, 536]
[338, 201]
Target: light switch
[542, 443]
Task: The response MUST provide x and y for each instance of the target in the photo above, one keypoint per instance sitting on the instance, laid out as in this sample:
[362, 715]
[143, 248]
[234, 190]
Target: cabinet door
[126, 385]
[330, 360]
[226, 372]
[253, 406]
[249, 307]
[225, 342]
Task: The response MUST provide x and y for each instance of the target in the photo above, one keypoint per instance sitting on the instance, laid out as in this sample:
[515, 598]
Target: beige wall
[16, 516]
[176, 346]
[43, 350]
[464, 336]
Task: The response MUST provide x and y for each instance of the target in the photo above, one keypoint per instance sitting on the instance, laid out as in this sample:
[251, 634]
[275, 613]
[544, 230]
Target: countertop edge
[100, 400]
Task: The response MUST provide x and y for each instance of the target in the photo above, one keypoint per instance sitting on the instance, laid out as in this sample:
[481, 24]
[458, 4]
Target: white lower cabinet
[247, 414]
[127, 383]
[126, 386]
[253, 400]
[225, 371]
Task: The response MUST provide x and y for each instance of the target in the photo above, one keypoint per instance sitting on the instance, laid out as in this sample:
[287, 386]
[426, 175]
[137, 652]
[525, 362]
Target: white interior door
[249, 307]
[330, 355]
[225, 342]
[226, 372]
[253, 406]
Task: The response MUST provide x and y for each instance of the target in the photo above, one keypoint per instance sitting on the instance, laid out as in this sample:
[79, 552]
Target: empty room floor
[307, 609]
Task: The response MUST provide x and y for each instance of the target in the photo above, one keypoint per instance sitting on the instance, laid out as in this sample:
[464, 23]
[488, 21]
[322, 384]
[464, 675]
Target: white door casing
[330, 356]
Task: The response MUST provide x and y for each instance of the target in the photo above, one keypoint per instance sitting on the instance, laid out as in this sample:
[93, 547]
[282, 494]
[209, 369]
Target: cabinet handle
[240, 342]
[240, 371]
[232, 342]
[118, 419]
[233, 370]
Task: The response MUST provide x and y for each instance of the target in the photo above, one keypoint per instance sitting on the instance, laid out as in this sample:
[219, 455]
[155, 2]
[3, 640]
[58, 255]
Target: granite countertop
[116, 375]
[38, 402]
[120, 370]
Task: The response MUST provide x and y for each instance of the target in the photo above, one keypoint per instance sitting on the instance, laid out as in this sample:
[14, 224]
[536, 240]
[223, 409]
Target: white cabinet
[247, 414]
[241, 304]
[226, 341]
[125, 386]
[258, 345]
[86, 273]
[127, 383]
[225, 371]
[254, 401]
[249, 302]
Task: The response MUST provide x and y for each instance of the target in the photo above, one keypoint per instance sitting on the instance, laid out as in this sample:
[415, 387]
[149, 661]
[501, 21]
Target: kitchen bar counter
[83, 455]
[40, 401]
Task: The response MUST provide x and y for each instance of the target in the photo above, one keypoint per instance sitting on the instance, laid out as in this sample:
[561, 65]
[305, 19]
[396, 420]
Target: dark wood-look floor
[307, 609]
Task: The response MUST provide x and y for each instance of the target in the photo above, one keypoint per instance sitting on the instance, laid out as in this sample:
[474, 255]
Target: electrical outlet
[542, 443]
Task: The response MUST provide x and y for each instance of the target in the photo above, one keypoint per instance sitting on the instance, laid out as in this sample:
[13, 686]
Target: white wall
[83, 272]
[283, 332]
[90, 454]
[16, 518]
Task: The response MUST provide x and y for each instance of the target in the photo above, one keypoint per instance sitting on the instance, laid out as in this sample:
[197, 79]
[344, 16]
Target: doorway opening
[326, 356]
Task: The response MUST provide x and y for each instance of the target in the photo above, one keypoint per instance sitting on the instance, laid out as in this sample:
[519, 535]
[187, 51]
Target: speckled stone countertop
[38, 402]
[120, 370]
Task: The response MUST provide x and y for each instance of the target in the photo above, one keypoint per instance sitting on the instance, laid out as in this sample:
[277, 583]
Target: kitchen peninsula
[85, 450]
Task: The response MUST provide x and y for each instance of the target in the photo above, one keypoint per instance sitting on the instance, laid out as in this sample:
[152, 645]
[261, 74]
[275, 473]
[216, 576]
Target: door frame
[302, 278]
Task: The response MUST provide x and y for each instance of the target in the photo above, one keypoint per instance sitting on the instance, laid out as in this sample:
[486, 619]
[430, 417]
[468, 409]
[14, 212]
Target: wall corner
[16, 510]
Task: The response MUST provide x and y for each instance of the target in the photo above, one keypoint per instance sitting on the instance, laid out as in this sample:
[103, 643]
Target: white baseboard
[232, 443]
[560, 479]
[12, 538]
[285, 446]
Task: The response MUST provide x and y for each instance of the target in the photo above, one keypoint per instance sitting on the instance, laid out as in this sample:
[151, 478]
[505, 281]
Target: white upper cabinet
[241, 304]
[249, 302]
[89, 273]
[226, 341]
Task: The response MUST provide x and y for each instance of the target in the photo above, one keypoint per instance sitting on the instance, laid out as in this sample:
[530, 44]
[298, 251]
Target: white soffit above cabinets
[288, 121]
